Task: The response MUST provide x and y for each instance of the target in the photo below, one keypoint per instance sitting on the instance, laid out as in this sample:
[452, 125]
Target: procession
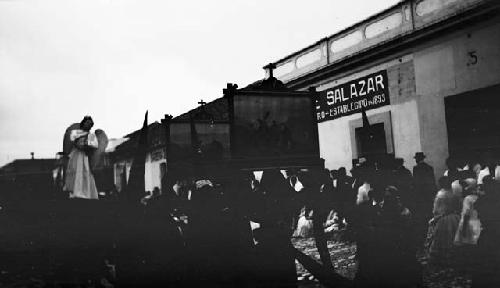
[370, 158]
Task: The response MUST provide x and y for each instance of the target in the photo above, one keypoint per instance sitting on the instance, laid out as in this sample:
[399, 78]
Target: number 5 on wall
[472, 58]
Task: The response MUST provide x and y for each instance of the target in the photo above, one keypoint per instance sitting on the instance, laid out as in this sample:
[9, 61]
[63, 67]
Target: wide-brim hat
[419, 155]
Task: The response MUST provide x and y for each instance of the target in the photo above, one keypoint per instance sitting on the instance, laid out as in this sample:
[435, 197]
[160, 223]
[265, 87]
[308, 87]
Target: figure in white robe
[79, 181]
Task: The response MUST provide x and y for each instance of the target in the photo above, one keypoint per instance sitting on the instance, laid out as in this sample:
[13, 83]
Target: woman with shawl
[444, 224]
[469, 227]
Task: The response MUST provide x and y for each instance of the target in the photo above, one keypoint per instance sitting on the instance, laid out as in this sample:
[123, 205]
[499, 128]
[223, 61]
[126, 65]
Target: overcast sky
[113, 60]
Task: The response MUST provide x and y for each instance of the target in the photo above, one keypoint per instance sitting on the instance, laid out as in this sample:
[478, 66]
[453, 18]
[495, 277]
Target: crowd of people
[235, 231]
[383, 215]
[391, 213]
[384, 207]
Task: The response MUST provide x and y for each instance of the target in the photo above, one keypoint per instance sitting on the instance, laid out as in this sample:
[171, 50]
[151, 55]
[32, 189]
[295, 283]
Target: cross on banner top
[270, 67]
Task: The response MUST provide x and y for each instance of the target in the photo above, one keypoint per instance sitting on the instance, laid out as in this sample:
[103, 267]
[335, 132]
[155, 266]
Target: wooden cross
[202, 103]
[270, 67]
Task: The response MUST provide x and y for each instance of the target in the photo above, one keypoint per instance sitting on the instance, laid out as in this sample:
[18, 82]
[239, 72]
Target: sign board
[368, 92]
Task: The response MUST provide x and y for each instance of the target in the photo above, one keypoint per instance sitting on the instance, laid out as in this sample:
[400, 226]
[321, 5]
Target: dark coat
[344, 190]
[424, 182]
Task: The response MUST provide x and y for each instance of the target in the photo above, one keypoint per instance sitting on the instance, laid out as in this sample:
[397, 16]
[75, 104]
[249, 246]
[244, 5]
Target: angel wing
[67, 144]
[96, 156]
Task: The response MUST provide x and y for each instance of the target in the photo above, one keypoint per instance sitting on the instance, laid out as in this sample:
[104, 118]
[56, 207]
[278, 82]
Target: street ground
[343, 258]
[25, 259]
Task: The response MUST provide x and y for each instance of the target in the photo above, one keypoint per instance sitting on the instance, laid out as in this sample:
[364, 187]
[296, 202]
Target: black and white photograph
[253, 144]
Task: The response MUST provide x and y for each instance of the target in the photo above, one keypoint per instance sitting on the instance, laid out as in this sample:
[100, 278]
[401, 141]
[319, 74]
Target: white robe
[79, 180]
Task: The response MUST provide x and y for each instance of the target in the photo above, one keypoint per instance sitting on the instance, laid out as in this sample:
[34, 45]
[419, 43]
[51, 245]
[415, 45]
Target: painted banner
[368, 92]
[271, 125]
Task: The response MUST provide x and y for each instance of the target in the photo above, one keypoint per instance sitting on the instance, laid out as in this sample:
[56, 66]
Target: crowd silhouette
[236, 231]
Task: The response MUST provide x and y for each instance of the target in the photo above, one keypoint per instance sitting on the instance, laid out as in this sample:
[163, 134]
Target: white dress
[79, 180]
[468, 232]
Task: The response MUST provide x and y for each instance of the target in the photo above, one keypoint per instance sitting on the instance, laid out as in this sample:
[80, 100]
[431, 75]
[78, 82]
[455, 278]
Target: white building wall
[466, 60]
[406, 133]
[447, 67]
[336, 137]
[152, 177]
[148, 173]
[334, 143]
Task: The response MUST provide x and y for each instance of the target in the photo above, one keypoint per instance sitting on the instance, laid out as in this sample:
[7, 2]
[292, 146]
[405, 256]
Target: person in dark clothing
[424, 185]
[319, 188]
[236, 243]
[394, 255]
[403, 181]
[333, 177]
[274, 249]
[453, 171]
[385, 171]
[326, 188]
[362, 227]
[204, 237]
[163, 246]
[293, 178]
[423, 177]
[345, 197]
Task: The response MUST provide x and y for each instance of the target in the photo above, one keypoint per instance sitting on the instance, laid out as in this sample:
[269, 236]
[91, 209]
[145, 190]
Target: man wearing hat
[425, 190]
[423, 174]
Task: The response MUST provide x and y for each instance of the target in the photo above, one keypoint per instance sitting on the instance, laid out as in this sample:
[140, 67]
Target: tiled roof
[28, 166]
[156, 138]
[218, 109]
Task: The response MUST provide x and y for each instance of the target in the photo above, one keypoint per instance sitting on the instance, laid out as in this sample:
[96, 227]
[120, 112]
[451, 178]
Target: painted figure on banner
[83, 150]
[270, 137]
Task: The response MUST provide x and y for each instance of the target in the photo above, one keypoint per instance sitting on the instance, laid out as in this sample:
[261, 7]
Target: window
[381, 26]
[347, 41]
[309, 58]
[284, 69]
[428, 6]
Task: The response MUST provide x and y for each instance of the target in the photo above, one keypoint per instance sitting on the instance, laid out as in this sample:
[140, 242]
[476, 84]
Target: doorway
[473, 123]
[371, 140]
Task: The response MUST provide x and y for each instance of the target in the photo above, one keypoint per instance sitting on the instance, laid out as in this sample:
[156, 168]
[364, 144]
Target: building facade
[24, 179]
[155, 163]
[427, 73]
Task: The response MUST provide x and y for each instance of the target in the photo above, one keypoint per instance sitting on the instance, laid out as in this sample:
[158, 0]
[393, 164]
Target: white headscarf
[363, 193]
